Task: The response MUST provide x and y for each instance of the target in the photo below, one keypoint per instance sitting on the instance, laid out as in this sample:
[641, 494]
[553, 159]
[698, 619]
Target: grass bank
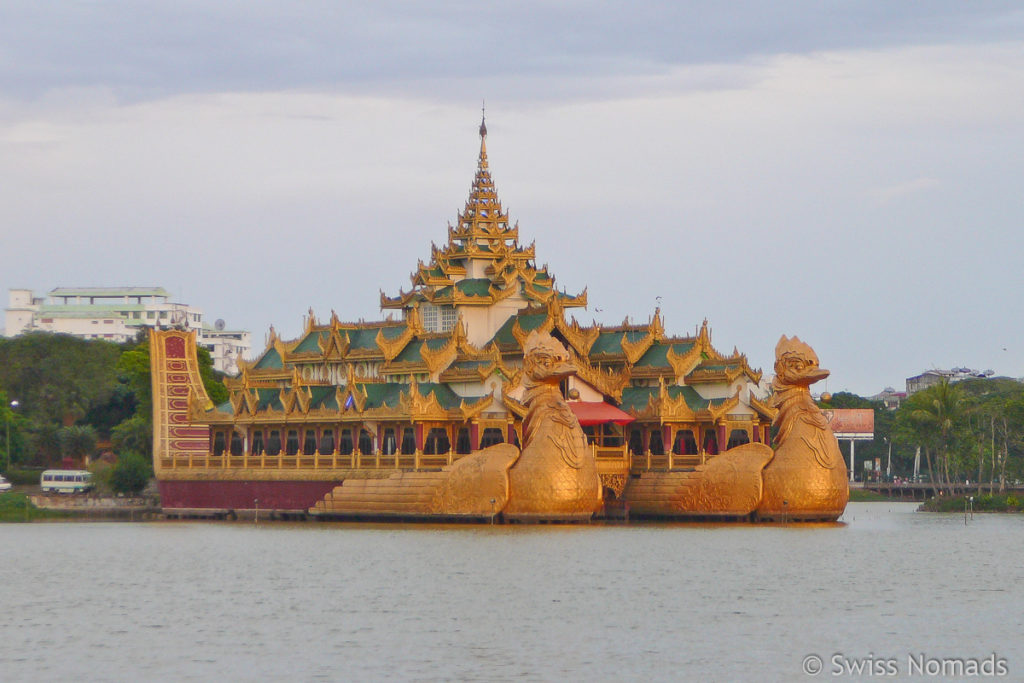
[865, 496]
[16, 507]
[983, 503]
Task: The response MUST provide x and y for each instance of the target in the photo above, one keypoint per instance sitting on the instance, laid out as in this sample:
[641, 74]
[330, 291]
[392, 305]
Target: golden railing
[333, 461]
[610, 460]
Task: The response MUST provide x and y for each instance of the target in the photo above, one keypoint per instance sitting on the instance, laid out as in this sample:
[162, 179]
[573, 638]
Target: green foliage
[102, 473]
[16, 507]
[131, 474]
[56, 377]
[213, 381]
[865, 496]
[134, 435]
[77, 442]
[13, 432]
[22, 477]
[44, 444]
[133, 370]
[845, 399]
[983, 503]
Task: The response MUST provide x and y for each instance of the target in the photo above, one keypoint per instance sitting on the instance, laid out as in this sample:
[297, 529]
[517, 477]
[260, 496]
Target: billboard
[851, 423]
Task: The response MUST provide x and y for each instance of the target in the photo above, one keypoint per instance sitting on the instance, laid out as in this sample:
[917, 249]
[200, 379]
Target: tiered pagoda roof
[483, 262]
[398, 368]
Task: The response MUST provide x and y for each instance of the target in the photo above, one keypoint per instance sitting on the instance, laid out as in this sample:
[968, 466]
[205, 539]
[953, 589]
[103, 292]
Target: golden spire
[483, 136]
[481, 164]
[483, 217]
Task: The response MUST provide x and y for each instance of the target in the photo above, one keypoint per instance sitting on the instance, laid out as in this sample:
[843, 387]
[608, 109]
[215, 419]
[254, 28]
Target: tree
[213, 381]
[77, 442]
[134, 435]
[56, 377]
[131, 474]
[133, 371]
[932, 419]
[44, 444]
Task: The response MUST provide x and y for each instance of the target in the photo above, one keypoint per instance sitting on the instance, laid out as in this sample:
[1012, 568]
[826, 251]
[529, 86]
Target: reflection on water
[197, 601]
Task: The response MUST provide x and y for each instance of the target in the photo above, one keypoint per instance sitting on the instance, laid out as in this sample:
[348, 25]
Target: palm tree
[78, 442]
[935, 415]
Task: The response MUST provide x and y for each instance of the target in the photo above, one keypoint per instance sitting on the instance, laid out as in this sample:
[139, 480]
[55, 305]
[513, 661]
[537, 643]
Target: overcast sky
[848, 172]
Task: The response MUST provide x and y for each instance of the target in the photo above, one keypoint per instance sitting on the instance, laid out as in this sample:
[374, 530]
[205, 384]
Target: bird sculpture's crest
[790, 346]
[796, 364]
[545, 360]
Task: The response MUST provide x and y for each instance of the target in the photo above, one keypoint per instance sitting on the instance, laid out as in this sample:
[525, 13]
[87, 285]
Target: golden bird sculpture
[803, 479]
[553, 478]
[807, 478]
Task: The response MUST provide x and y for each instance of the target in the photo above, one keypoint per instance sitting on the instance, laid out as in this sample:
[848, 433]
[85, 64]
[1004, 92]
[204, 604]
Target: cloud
[154, 50]
[883, 195]
[768, 192]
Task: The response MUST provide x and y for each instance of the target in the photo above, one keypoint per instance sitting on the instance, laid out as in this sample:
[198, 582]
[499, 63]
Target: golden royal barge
[323, 424]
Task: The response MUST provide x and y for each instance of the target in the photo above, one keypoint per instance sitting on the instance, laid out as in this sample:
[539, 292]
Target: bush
[102, 473]
[134, 435]
[16, 507]
[131, 474]
[23, 477]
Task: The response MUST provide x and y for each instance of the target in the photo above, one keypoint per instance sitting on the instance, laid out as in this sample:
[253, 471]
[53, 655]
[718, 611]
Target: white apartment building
[117, 314]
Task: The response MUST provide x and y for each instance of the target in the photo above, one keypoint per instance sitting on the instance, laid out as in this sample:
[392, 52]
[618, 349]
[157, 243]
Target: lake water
[197, 601]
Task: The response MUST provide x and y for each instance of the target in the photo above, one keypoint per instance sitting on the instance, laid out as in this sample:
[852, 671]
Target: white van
[66, 481]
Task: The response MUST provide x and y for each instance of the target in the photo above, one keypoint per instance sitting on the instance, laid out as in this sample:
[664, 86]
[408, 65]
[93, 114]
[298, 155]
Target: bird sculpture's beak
[563, 369]
[815, 375]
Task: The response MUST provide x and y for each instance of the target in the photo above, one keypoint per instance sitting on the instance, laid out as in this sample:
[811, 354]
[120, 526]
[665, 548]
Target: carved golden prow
[554, 478]
[806, 480]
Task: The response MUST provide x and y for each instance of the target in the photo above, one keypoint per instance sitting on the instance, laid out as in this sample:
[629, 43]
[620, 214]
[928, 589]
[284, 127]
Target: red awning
[598, 412]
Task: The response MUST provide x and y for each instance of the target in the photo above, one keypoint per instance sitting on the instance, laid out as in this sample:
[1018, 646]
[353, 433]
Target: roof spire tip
[483, 119]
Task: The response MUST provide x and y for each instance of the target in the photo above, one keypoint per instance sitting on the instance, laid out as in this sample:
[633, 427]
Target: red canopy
[598, 412]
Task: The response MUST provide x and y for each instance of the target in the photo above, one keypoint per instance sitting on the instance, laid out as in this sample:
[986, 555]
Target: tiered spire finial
[482, 161]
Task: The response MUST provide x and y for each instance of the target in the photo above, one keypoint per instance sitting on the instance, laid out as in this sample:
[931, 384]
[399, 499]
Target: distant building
[117, 314]
[890, 398]
[930, 378]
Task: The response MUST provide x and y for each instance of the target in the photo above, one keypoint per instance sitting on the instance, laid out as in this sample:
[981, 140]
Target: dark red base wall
[242, 495]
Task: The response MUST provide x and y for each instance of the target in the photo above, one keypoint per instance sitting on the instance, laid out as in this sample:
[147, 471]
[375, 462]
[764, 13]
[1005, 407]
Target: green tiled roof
[109, 291]
[607, 342]
[322, 397]
[469, 364]
[393, 331]
[636, 398]
[97, 310]
[437, 343]
[445, 396]
[379, 395]
[411, 352]
[526, 323]
[710, 368]
[225, 407]
[365, 339]
[479, 286]
[270, 360]
[311, 343]
[657, 355]
[269, 399]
